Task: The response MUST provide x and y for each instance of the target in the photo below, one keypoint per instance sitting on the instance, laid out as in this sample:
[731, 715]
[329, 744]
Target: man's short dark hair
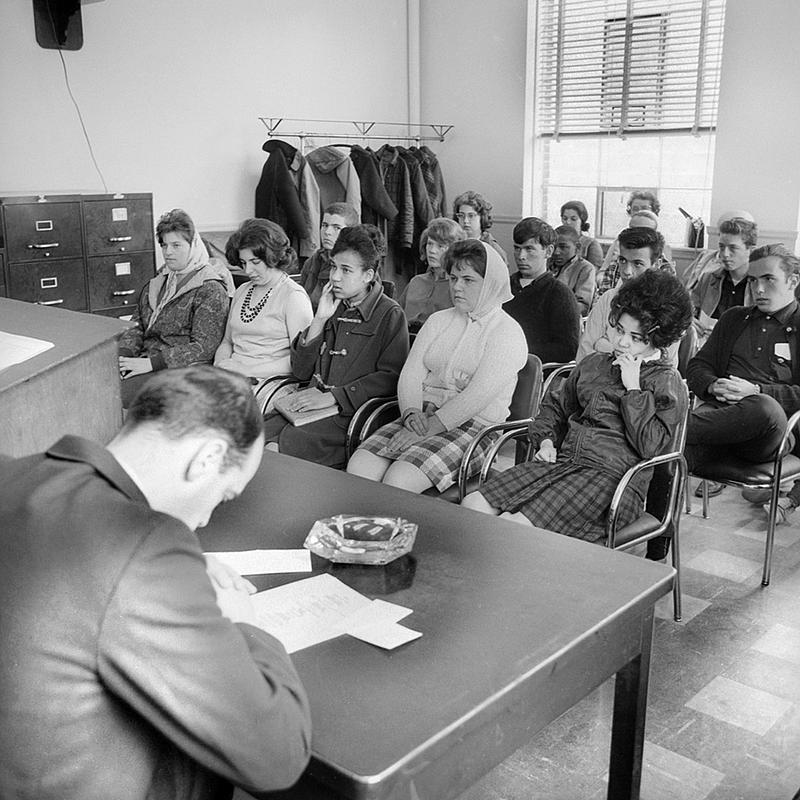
[636, 238]
[790, 263]
[569, 232]
[748, 231]
[534, 228]
[197, 399]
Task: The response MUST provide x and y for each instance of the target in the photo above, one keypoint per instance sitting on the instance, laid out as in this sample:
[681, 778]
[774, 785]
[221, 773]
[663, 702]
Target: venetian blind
[627, 66]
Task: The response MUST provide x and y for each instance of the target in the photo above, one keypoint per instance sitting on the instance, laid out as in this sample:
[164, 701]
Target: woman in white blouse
[269, 310]
[459, 378]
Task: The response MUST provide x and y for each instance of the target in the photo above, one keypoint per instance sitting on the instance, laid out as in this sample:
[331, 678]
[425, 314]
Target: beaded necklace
[248, 313]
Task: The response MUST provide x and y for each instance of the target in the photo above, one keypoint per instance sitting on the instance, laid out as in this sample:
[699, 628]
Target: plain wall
[472, 67]
[171, 92]
[757, 165]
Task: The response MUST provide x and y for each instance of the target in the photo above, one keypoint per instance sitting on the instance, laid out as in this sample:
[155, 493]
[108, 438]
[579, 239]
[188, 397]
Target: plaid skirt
[438, 456]
[565, 497]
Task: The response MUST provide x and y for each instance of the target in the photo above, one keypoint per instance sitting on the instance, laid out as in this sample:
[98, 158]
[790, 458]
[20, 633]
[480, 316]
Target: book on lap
[298, 418]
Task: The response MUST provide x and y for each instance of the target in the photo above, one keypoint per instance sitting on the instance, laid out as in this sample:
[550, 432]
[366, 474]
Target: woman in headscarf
[181, 313]
[459, 378]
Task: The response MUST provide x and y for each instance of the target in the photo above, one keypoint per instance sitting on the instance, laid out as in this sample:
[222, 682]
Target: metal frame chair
[266, 390]
[647, 526]
[523, 407]
[769, 475]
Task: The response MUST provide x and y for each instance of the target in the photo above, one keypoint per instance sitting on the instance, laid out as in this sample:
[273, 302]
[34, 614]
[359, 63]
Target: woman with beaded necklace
[269, 310]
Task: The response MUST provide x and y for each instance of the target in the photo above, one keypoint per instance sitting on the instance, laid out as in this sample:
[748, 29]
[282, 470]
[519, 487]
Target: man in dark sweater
[748, 372]
[544, 307]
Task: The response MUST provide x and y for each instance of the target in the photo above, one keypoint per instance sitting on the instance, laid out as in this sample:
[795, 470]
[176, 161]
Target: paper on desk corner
[266, 562]
[14, 348]
[378, 612]
[387, 636]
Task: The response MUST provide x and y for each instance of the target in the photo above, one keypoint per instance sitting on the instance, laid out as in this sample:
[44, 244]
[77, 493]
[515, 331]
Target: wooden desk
[71, 388]
[518, 625]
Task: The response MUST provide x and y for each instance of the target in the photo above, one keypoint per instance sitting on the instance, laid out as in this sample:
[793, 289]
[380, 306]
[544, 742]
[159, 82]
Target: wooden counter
[71, 388]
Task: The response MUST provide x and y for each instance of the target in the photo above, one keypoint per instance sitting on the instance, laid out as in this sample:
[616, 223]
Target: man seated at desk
[126, 672]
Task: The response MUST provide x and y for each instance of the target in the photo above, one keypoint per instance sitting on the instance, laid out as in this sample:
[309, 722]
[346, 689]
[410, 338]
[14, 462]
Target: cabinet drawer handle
[42, 246]
[49, 302]
[123, 294]
[119, 238]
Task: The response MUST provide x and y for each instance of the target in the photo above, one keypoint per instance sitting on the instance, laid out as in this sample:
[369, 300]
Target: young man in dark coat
[545, 308]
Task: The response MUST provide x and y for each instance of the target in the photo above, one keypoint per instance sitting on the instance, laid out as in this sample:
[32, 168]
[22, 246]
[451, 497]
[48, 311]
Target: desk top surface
[496, 602]
[71, 332]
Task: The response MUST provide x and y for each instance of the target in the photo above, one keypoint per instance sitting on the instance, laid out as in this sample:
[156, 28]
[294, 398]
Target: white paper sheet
[266, 562]
[386, 636]
[14, 349]
[308, 611]
[316, 609]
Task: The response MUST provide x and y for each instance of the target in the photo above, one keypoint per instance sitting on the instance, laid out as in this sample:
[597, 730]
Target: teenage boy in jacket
[316, 271]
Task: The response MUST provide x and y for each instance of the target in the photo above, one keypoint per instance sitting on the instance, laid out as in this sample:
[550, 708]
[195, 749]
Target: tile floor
[724, 711]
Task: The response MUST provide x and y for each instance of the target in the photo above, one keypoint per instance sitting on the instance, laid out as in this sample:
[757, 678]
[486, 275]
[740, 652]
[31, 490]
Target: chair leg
[771, 519]
[704, 484]
[676, 564]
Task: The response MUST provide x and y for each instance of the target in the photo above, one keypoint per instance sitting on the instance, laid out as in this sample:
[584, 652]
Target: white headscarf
[496, 288]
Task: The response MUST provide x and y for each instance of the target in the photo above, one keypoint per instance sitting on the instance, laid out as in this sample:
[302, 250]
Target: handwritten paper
[307, 612]
[313, 610]
[14, 349]
[266, 562]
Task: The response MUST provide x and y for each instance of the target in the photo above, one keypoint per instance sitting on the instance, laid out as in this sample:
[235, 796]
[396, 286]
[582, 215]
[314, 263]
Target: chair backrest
[687, 349]
[556, 372]
[528, 391]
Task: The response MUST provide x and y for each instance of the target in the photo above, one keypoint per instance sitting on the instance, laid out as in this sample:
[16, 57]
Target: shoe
[760, 496]
[713, 489]
[784, 509]
[756, 496]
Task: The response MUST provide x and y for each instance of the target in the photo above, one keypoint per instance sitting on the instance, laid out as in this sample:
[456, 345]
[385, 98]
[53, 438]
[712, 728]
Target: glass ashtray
[350, 539]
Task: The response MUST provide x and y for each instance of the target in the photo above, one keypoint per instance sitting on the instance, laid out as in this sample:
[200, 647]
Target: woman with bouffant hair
[614, 410]
[269, 310]
[180, 315]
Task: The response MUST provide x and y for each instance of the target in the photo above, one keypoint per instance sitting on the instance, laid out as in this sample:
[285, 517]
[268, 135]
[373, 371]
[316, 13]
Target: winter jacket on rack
[336, 177]
[376, 205]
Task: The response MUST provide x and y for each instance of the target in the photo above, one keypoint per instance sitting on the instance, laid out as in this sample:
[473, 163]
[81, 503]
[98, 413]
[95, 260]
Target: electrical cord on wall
[75, 102]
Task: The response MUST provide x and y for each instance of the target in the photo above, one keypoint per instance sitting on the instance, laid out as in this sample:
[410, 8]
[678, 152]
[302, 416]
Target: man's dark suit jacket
[119, 677]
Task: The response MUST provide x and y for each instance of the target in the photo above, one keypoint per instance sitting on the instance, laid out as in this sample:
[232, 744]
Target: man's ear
[207, 459]
[548, 251]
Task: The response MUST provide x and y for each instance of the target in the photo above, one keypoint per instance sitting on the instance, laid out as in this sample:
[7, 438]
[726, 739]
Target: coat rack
[363, 130]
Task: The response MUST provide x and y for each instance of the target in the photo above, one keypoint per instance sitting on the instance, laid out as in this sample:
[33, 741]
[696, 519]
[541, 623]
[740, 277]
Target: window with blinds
[627, 66]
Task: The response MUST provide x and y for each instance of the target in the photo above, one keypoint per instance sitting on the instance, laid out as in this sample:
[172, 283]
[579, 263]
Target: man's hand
[232, 591]
[732, 389]
[546, 452]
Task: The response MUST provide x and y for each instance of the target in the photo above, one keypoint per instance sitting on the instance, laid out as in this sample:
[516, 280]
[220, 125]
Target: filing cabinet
[81, 252]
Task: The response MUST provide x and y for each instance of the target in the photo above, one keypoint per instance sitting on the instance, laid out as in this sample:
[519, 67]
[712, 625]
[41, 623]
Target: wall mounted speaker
[59, 25]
